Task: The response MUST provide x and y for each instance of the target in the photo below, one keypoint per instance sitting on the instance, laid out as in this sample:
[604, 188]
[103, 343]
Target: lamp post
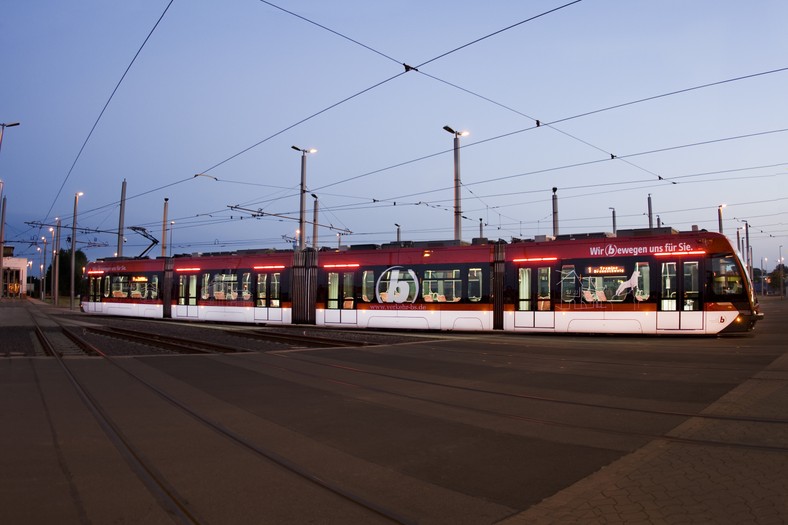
[164, 228]
[56, 263]
[719, 215]
[314, 224]
[2, 240]
[782, 274]
[2, 222]
[52, 280]
[171, 223]
[614, 220]
[301, 216]
[457, 198]
[43, 271]
[399, 238]
[73, 249]
[40, 270]
[747, 253]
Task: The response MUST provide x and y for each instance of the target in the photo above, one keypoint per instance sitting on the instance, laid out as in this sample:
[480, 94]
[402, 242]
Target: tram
[652, 281]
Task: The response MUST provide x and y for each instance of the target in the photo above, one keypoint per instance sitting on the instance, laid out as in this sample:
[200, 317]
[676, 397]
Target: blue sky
[216, 78]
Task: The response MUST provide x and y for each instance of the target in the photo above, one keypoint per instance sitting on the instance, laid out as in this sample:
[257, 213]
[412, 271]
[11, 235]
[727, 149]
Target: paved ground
[447, 431]
[685, 483]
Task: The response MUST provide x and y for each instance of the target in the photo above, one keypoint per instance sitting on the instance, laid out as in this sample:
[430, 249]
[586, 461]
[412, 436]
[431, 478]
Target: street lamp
[73, 248]
[2, 130]
[301, 217]
[719, 215]
[399, 238]
[457, 198]
[614, 220]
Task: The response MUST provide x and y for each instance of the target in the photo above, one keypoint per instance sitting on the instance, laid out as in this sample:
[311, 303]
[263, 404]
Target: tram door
[268, 304]
[94, 293]
[534, 305]
[341, 307]
[187, 296]
[680, 305]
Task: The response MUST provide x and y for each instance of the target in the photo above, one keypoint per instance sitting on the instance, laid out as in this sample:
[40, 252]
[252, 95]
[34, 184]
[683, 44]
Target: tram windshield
[725, 277]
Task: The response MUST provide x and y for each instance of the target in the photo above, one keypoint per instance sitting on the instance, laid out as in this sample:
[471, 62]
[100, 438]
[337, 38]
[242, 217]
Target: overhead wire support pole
[457, 182]
[302, 208]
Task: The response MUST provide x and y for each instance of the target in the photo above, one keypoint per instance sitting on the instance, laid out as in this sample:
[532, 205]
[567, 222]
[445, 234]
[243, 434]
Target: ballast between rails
[656, 281]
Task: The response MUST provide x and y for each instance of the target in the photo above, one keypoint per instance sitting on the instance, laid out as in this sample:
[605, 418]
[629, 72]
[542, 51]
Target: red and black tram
[638, 281]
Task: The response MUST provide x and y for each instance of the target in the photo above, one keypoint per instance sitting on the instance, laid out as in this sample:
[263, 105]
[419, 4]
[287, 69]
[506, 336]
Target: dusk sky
[226, 88]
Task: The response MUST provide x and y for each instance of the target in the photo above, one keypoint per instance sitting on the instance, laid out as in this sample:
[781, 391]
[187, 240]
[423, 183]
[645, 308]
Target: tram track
[321, 342]
[358, 385]
[175, 504]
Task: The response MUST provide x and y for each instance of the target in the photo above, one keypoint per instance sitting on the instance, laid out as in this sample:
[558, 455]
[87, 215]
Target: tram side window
[367, 286]
[153, 287]
[612, 283]
[246, 286]
[668, 286]
[106, 286]
[397, 286]
[347, 290]
[442, 286]
[524, 289]
[275, 290]
[724, 277]
[475, 291]
[333, 290]
[568, 283]
[225, 286]
[120, 286]
[543, 293]
[643, 291]
[207, 286]
[139, 286]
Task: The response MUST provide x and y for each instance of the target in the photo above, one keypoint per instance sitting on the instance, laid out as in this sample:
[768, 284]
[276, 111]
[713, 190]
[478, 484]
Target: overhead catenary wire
[611, 107]
[377, 84]
[104, 109]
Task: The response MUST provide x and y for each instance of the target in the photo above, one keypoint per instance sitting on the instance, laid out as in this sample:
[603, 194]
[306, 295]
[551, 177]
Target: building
[14, 274]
